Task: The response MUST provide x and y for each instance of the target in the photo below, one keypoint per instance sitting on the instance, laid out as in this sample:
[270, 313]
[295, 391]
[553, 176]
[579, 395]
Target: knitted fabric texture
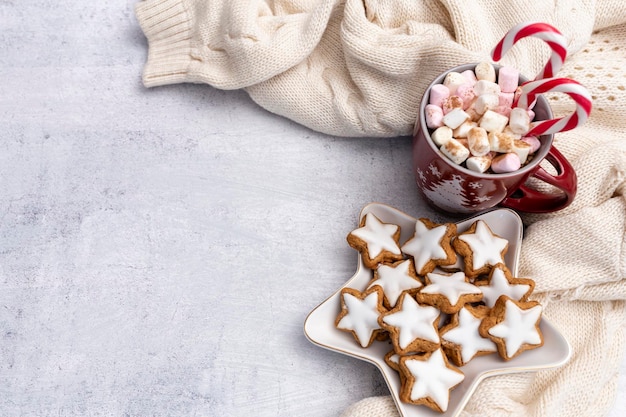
[360, 67]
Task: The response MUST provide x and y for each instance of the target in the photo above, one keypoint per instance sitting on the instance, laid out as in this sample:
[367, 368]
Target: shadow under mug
[458, 190]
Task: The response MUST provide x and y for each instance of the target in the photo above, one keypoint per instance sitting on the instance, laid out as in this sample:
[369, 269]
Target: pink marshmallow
[508, 79]
[438, 93]
[451, 103]
[466, 92]
[534, 143]
[434, 116]
[470, 76]
[506, 162]
[503, 110]
[506, 99]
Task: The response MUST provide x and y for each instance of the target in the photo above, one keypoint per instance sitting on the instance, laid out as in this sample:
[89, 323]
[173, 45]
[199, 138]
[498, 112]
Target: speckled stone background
[160, 249]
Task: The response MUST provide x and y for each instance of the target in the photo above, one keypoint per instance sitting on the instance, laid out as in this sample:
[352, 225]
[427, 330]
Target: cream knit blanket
[359, 68]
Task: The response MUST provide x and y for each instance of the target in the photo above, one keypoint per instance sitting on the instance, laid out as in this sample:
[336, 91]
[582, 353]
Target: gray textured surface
[160, 249]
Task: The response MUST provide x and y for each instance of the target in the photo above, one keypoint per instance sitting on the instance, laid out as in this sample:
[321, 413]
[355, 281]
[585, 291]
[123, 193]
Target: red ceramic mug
[456, 189]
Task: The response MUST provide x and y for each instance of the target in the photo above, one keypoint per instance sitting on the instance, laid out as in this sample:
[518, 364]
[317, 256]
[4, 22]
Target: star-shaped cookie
[412, 327]
[448, 292]
[430, 245]
[513, 326]
[501, 282]
[481, 249]
[395, 279]
[359, 314]
[376, 241]
[460, 338]
[428, 380]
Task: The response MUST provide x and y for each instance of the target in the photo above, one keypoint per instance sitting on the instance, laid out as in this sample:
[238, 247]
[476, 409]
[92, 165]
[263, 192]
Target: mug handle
[533, 201]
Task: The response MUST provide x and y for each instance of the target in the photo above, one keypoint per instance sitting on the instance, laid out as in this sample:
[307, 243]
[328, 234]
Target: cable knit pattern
[360, 67]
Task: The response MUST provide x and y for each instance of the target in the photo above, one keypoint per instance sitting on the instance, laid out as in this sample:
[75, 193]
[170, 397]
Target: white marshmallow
[461, 131]
[522, 149]
[486, 87]
[519, 120]
[453, 80]
[486, 102]
[478, 163]
[478, 141]
[507, 130]
[454, 150]
[485, 71]
[493, 122]
[455, 118]
[441, 135]
[500, 142]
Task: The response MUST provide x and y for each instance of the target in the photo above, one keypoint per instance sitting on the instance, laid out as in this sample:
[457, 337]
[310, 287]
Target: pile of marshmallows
[474, 123]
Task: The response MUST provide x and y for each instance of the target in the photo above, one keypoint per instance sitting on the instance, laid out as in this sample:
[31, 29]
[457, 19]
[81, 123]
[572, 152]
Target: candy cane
[575, 90]
[543, 31]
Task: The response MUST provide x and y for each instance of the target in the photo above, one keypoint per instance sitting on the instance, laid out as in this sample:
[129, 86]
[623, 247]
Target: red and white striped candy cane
[543, 31]
[575, 90]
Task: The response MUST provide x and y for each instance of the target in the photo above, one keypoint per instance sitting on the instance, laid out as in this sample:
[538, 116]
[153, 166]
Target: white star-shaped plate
[320, 329]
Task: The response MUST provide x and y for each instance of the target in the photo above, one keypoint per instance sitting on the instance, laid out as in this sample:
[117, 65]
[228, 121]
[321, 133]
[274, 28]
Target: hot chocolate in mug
[456, 189]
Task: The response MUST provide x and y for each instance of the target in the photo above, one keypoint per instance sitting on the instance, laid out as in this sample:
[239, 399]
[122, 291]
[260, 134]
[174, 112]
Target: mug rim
[529, 168]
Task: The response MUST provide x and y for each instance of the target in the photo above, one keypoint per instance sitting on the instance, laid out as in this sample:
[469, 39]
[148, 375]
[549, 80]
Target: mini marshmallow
[534, 143]
[473, 114]
[507, 162]
[493, 122]
[486, 87]
[455, 118]
[485, 71]
[503, 110]
[519, 120]
[461, 131]
[478, 141]
[508, 79]
[470, 76]
[434, 116]
[441, 135]
[450, 103]
[506, 99]
[478, 163]
[500, 142]
[438, 93]
[485, 102]
[455, 151]
[453, 80]
[466, 93]
[531, 115]
[507, 130]
[522, 149]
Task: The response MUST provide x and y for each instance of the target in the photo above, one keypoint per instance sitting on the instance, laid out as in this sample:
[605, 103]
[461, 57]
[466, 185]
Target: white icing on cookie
[413, 321]
[500, 285]
[466, 335]
[394, 280]
[450, 286]
[433, 379]
[378, 236]
[518, 327]
[486, 247]
[362, 316]
[425, 244]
